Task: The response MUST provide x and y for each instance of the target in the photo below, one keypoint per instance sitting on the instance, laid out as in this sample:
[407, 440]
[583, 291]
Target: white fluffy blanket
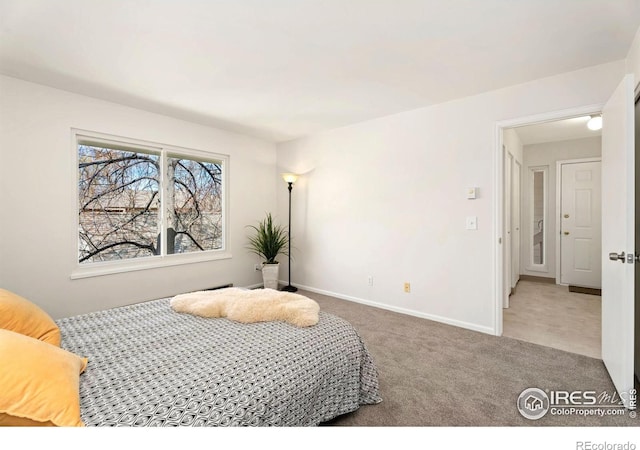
[248, 306]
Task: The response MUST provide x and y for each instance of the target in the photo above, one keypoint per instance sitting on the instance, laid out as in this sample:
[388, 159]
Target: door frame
[636, 293]
[559, 164]
[498, 195]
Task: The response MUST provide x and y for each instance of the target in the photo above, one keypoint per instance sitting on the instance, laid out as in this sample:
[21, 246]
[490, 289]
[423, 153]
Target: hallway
[550, 315]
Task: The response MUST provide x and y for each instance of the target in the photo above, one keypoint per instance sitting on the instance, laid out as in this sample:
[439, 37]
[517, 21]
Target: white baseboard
[409, 312]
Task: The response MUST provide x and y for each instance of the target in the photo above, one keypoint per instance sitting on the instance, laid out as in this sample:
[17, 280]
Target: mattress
[151, 366]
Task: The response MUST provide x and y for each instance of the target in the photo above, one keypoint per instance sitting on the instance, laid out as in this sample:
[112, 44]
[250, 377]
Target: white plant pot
[270, 275]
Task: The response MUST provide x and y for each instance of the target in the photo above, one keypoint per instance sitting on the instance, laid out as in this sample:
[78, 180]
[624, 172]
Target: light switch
[472, 222]
[471, 193]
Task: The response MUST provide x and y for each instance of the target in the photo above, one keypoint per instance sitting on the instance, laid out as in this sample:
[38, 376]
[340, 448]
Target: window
[140, 201]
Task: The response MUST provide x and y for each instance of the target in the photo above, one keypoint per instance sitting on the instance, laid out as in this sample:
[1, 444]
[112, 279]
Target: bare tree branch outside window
[119, 204]
[196, 216]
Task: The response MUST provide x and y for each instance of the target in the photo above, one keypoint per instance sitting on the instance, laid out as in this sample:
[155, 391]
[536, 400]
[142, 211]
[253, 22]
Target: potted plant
[268, 241]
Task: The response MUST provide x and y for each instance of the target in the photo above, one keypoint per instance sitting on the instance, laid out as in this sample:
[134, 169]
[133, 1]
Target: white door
[618, 176]
[515, 220]
[580, 224]
[507, 221]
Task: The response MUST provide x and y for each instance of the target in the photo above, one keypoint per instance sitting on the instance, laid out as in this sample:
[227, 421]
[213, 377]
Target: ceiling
[559, 130]
[284, 69]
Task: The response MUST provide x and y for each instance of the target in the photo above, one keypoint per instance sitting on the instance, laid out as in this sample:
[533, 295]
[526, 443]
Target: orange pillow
[20, 315]
[39, 382]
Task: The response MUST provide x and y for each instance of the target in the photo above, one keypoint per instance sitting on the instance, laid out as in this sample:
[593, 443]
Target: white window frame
[86, 270]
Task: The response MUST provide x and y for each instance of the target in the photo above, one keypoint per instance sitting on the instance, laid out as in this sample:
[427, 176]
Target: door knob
[617, 256]
[566, 233]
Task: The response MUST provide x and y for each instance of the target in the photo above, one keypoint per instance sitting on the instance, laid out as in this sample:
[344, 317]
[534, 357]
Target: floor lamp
[290, 178]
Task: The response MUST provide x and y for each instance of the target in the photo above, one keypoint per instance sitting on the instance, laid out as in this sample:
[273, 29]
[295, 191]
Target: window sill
[153, 262]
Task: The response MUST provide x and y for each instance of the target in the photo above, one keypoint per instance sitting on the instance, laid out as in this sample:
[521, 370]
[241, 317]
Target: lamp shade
[289, 177]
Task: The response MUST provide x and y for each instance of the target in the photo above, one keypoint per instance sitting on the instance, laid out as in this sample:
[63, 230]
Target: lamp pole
[290, 179]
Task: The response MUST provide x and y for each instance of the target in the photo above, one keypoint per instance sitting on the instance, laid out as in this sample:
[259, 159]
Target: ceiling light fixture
[595, 123]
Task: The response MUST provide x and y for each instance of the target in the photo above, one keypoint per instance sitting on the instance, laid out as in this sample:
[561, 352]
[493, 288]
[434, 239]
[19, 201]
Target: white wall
[633, 58]
[386, 198]
[37, 246]
[547, 154]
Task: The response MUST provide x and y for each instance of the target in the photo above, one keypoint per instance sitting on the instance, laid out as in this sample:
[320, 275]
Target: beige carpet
[432, 374]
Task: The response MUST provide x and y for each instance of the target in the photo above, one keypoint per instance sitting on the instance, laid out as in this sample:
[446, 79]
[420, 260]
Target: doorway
[543, 149]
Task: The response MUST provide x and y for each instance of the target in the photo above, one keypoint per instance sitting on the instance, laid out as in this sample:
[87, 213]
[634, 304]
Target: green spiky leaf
[269, 240]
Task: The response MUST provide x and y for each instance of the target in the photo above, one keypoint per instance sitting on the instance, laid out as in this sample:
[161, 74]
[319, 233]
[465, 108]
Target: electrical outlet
[370, 280]
[257, 267]
[407, 287]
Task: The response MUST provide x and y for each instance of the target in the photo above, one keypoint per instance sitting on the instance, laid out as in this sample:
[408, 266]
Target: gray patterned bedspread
[151, 366]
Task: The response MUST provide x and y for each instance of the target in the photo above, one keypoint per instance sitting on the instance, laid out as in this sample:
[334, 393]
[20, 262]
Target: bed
[151, 366]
